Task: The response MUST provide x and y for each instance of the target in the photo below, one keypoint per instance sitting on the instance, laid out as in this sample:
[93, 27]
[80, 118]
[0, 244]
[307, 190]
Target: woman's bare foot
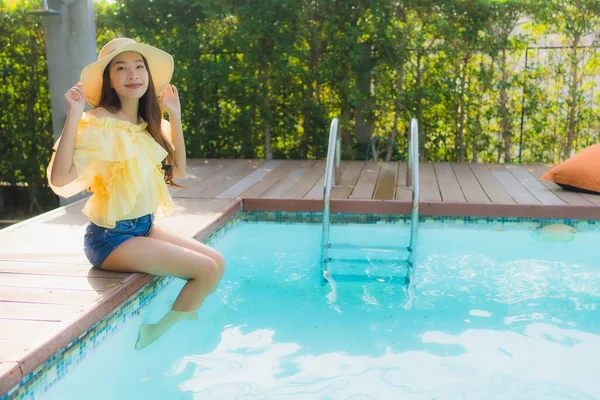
[149, 333]
[146, 336]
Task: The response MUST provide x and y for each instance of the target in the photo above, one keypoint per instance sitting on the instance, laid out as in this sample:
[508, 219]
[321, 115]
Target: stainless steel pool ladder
[332, 177]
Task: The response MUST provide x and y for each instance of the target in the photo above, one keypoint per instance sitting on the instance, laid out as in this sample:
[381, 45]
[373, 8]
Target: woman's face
[128, 75]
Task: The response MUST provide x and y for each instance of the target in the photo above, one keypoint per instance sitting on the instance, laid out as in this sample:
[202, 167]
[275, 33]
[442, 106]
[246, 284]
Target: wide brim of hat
[160, 65]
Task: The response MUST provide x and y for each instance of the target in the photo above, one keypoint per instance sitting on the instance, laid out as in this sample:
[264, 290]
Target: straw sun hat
[160, 65]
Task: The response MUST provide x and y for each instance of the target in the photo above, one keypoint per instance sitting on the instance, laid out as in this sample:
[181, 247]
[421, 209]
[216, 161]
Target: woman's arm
[63, 169]
[177, 137]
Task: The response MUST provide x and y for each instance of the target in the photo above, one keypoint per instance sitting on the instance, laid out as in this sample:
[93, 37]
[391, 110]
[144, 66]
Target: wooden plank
[56, 282]
[493, 189]
[10, 374]
[196, 182]
[512, 185]
[270, 179]
[429, 189]
[62, 269]
[316, 192]
[448, 184]
[403, 193]
[535, 187]
[27, 330]
[251, 177]
[592, 198]
[288, 181]
[471, 188]
[386, 183]
[39, 312]
[308, 180]
[571, 198]
[49, 296]
[196, 170]
[348, 181]
[197, 162]
[365, 186]
[11, 349]
[232, 178]
[201, 168]
[198, 187]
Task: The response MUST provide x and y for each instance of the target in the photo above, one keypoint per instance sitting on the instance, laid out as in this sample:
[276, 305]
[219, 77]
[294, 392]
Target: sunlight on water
[497, 315]
[492, 364]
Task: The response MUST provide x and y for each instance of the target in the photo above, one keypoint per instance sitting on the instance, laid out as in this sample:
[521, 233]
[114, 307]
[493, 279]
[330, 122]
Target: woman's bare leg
[189, 243]
[159, 257]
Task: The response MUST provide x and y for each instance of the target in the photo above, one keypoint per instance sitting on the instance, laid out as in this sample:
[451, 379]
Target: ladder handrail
[413, 166]
[332, 177]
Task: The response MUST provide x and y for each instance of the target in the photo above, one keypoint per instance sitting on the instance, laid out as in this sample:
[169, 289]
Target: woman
[126, 155]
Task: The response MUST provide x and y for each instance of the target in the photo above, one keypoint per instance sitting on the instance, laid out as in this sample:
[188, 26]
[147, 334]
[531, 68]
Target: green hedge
[281, 71]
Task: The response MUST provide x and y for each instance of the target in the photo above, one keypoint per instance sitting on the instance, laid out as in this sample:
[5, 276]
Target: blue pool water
[498, 314]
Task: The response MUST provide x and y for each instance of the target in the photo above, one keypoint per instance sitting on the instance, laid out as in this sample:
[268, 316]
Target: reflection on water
[544, 362]
[480, 329]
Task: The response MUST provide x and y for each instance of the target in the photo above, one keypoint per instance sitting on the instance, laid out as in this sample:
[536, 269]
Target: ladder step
[369, 262]
[365, 278]
[350, 246]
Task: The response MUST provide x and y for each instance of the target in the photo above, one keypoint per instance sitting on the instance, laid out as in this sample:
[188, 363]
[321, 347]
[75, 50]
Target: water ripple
[506, 282]
[494, 365]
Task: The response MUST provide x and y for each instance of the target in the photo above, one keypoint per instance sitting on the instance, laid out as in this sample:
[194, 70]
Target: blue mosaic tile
[59, 365]
[226, 227]
[465, 222]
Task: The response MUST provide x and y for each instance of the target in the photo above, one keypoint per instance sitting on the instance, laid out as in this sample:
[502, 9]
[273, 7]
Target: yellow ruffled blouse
[120, 163]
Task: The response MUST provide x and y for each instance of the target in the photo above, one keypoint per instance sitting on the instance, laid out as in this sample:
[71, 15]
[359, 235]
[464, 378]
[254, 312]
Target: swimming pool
[498, 314]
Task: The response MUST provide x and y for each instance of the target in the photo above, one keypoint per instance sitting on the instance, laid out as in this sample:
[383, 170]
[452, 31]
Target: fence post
[70, 45]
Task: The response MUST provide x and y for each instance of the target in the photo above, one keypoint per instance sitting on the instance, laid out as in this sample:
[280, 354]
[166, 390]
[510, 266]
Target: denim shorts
[99, 242]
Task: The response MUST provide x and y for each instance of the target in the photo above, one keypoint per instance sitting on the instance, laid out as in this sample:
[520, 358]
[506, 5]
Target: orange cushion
[580, 171]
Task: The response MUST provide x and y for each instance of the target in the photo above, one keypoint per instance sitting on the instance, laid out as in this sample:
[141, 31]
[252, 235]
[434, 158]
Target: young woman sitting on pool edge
[126, 155]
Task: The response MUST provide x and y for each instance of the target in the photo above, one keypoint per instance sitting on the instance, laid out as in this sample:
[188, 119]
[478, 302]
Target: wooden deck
[49, 295]
[440, 182]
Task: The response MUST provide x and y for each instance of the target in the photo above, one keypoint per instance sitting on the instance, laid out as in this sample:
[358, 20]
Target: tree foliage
[263, 79]
[25, 120]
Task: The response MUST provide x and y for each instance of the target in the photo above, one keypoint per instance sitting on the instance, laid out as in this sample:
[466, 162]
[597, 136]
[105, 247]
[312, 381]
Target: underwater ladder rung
[332, 178]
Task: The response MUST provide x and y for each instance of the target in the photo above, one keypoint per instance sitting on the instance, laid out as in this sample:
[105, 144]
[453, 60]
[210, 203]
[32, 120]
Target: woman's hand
[75, 99]
[170, 101]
